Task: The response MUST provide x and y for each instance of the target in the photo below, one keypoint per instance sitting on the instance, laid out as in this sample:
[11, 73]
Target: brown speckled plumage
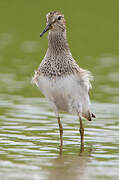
[61, 80]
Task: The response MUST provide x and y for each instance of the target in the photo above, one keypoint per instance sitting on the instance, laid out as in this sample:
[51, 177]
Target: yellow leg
[81, 132]
[61, 133]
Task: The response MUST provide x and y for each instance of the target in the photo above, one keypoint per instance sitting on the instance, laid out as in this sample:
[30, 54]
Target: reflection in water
[28, 129]
[61, 147]
[29, 141]
[71, 166]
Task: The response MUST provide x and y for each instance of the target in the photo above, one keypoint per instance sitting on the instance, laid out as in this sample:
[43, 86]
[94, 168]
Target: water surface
[29, 136]
[30, 142]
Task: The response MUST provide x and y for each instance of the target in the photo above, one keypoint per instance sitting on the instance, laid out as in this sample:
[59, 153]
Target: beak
[46, 29]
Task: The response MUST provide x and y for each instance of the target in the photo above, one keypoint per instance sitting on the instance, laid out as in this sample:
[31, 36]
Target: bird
[62, 81]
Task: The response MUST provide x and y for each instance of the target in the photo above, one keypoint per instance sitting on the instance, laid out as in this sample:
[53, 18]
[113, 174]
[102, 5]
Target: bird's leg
[81, 132]
[61, 133]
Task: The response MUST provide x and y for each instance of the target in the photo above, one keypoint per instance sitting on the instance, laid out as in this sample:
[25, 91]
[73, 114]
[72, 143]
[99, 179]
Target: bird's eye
[59, 17]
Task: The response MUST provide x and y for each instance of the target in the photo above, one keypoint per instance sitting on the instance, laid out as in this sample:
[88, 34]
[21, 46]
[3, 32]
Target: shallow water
[30, 142]
[29, 135]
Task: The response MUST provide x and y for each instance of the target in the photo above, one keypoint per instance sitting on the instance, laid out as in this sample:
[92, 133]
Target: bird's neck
[57, 42]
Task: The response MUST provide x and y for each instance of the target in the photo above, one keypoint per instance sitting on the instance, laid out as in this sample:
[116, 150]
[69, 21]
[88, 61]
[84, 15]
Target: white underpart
[69, 94]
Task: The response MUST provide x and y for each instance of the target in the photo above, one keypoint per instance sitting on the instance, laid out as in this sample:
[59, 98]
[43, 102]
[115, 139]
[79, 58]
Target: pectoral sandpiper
[60, 79]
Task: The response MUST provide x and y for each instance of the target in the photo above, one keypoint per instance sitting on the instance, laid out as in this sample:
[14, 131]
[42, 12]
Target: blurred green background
[93, 36]
[28, 128]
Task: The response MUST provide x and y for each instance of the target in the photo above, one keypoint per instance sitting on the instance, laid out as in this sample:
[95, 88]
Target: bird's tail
[89, 116]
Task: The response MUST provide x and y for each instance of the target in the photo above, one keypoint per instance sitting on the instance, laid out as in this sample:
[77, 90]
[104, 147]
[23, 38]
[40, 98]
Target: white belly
[69, 94]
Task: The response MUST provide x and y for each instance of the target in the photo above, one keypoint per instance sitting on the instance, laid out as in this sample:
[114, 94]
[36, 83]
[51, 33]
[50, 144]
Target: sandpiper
[60, 79]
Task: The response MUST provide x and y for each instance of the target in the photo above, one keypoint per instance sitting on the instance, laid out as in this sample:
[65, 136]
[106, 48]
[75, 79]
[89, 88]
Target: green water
[29, 137]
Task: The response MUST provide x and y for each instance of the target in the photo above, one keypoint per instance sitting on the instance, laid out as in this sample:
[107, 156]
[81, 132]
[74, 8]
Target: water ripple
[29, 133]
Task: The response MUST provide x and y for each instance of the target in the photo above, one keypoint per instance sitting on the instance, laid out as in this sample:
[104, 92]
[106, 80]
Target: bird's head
[54, 22]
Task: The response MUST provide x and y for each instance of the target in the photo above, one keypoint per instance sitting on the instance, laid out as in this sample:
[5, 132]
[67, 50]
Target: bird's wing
[35, 77]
